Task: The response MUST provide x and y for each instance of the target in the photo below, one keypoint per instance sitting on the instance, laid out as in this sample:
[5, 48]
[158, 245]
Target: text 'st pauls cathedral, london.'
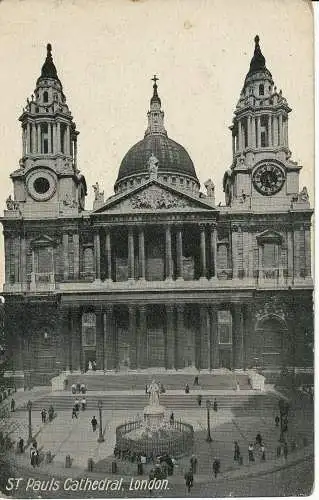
[157, 275]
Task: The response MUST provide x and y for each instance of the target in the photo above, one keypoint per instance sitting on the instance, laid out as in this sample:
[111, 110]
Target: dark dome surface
[172, 157]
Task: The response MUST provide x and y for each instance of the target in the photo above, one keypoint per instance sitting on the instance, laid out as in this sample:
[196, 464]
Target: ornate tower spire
[48, 130]
[155, 115]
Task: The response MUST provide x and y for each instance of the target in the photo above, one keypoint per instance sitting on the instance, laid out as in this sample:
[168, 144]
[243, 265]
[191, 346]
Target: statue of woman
[154, 391]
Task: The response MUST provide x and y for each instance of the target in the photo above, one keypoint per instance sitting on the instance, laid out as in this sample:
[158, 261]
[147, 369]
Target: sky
[107, 51]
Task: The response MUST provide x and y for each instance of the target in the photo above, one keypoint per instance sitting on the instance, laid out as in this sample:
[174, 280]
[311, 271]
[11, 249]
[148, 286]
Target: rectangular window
[225, 327]
[88, 329]
[270, 255]
[43, 260]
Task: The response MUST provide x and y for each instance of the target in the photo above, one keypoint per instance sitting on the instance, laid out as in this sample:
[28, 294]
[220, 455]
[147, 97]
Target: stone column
[39, 138]
[108, 254]
[142, 360]
[204, 338]
[253, 132]
[258, 141]
[269, 131]
[179, 339]
[23, 257]
[34, 138]
[75, 151]
[130, 242]
[7, 246]
[274, 136]
[54, 147]
[141, 251]
[170, 336]
[76, 255]
[67, 140]
[260, 263]
[233, 144]
[307, 236]
[280, 140]
[234, 250]
[49, 139]
[168, 254]
[29, 138]
[203, 273]
[240, 136]
[246, 248]
[23, 141]
[65, 245]
[179, 253]
[99, 339]
[75, 334]
[213, 250]
[296, 247]
[109, 340]
[286, 132]
[58, 133]
[132, 335]
[290, 254]
[214, 341]
[238, 337]
[97, 255]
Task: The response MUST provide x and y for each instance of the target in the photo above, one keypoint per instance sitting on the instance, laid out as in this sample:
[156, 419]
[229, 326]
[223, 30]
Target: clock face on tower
[268, 179]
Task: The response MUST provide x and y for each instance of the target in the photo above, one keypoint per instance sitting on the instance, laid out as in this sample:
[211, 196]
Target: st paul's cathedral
[157, 275]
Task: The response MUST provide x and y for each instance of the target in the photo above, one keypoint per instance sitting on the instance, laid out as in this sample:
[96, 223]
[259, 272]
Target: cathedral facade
[157, 275]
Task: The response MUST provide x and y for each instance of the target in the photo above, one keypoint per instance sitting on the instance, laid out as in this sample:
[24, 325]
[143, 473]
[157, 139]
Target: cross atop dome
[155, 98]
[258, 62]
[48, 69]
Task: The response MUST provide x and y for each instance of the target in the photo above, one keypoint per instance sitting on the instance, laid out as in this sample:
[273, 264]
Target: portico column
[141, 353]
[58, 133]
[54, 147]
[170, 335]
[34, 138]
[274, 130]
[203, 250]
[130, 253]
[179, 340]
[168, 253]
[213, 251]
[109, 341]
[307, 249]
[97, 255]
[233, 144]
[39, 138]
[238, 337]
[99, 339]
[179, 253]
[67, 140]
[253, 132]
[76, 255]
[269, 131]
[290, 255]
[214, 340]
[240, 135]
[141, 250]
[29, 138]
[204, 338]
[108, 254]
[280, 143]
[132, 336]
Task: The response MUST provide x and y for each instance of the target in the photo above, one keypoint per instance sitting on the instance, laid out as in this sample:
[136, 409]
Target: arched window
[261, 89]
[45, 96]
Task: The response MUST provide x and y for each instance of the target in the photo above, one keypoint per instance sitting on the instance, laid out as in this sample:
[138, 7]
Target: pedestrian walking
[251, 457]
[43, 415]
[83, 403]
[278, 451]
[285, 450]
[21, 445]
[215, 405]
[189, 480]
[83, 388]
[73, 388]
[196, 381]
[33, 456]
[74, 413]
[199, 399]
[94, 424]
[216, 467]
[258, 439]
[13, 405]
[77, 405]
[146, 389]
[236, 451]
[263, 453]
[171, 419]
[193, 462]
[78, 387]
[51, 413]
[277, 420]
[186, 389]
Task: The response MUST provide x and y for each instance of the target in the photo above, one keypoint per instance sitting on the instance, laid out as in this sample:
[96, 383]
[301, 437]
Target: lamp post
[99, 405]
[29, 407]
[209, 437]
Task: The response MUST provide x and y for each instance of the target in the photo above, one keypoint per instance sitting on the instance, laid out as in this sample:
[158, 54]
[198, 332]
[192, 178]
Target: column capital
[170, 308]
[109, 308]
[179, 308]
[142, 309]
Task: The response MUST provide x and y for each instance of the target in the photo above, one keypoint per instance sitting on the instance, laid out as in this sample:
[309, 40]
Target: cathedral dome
[172, 160]
[172, 157]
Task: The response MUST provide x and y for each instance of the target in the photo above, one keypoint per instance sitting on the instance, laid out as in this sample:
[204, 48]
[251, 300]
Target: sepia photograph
[156, 255]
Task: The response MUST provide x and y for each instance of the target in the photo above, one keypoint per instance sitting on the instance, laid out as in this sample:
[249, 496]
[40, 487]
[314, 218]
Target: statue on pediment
[68, 201]
[210, 188]
[98, 195]
[11, 204]
[303, 195]
[152, 165]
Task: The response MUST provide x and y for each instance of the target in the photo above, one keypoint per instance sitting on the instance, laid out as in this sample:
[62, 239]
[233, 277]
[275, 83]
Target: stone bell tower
[48, 182]
[262, 175]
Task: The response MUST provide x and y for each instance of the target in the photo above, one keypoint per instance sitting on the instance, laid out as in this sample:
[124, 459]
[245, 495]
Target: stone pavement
[75, 437]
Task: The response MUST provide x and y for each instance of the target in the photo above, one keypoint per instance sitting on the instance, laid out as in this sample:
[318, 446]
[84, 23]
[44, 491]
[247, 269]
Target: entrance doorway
[225, 358]
[89, 359]
[270, 334]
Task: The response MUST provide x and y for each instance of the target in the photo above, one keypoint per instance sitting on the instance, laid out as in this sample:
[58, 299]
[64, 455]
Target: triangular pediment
[154, 195]
[269, 235]
[43, 241]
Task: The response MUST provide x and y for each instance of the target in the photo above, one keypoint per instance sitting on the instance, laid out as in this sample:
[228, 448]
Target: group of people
[45, 414]
[76, 406]
[78, 388]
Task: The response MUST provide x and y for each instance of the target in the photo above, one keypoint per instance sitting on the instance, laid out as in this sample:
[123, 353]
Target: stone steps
[171, 402]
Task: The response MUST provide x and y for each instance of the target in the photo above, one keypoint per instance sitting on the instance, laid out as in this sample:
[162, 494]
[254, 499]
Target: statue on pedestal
[154, 392]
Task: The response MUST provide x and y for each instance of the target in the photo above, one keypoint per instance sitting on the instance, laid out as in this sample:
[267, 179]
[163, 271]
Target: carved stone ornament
[273, 306]
[152, 165]
[157, 199]
[11, 204]
[69, 202]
